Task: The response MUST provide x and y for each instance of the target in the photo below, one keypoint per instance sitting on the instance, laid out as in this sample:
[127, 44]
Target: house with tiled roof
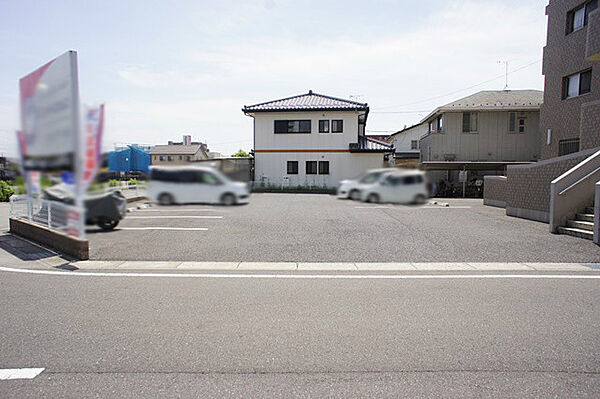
[312, 140]
[178, 153]
[481, 134]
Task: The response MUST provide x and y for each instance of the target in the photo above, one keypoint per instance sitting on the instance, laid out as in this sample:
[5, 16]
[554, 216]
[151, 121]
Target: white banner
[50, 115]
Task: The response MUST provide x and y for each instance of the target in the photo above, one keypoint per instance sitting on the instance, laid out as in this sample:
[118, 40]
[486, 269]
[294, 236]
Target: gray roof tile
[310, 102]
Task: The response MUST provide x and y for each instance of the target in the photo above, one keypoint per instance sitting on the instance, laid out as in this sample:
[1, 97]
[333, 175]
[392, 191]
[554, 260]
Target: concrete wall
[265, 137]
[271, 168]
[592, 48]
[492, 142]
[495, 191]
[564, 55]
[528, 186]
[61, 242]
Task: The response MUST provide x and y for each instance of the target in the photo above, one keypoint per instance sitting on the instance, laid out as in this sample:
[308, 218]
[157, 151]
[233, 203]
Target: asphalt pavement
[321, 228]
[206, 337]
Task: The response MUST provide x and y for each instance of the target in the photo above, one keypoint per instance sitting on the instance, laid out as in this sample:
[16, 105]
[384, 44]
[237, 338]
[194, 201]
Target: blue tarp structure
[129, 159]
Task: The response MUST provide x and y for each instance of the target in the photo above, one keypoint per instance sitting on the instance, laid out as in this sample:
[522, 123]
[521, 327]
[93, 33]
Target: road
[321, 228]
[231, 337]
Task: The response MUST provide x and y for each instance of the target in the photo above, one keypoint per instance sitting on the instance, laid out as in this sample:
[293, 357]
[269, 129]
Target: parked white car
[396, 187]
[350, 188]
[194, 184]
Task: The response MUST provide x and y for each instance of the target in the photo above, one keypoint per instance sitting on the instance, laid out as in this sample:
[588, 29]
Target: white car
[396, 187]
[350, 188]
[193, 184]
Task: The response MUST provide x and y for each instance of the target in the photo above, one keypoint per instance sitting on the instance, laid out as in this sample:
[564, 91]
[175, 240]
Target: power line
[466, 88]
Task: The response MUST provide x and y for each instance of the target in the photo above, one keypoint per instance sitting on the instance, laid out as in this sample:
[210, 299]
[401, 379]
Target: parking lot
[321, 228]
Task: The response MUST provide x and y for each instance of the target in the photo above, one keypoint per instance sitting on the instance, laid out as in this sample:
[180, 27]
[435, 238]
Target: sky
[168, 68]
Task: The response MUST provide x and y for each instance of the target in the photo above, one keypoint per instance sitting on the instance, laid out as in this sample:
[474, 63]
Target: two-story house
[312, 140]
[180, 153]
[481, 134]
[406, 144]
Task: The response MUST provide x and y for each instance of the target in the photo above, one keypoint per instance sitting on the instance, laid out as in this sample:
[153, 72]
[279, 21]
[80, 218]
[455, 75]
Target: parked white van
[350, 188]
[194, 184]
[396, 187]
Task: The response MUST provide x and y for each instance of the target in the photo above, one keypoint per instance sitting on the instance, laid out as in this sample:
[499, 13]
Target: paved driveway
[321, 228]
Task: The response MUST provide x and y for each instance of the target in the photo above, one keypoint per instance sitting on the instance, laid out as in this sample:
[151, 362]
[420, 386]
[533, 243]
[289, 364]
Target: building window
[187, 158]
[323, 167]
[568, 146]
[292, 167]
[577, 18]
[516, 123]
[577, 84]
[180, 157]
[414, 144]
[440, 124]
[169, 158]
[337, 126]
[323, 126]
[298, 126]
[469, 122]
[311, 167]
[430, 128]
[162, 158]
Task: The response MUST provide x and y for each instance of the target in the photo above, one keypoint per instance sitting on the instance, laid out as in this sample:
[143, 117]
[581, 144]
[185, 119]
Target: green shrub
[133, 182]
[5, 191]
[114, 183]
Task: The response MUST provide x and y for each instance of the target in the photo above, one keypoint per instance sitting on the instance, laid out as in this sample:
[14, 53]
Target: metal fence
[64, 218]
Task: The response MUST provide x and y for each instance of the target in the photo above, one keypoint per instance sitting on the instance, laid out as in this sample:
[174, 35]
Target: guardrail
[54, 215]
[135, 188]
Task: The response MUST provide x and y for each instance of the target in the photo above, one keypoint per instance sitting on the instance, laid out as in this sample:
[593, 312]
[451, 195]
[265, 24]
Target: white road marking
[176, 210]
[175, 217]
[372, 207]
[414, 207]
[313, 276]
[17, 374]
[164, 228]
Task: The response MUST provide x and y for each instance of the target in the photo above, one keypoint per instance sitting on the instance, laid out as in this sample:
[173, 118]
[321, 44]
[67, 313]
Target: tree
[241, 154]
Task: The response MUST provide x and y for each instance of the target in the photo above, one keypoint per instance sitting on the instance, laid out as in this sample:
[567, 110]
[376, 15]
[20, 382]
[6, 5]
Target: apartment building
[312, 140]
[479, 135]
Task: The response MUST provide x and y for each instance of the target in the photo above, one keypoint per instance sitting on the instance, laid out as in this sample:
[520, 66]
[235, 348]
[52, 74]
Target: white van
[195, 184]
[396, 187]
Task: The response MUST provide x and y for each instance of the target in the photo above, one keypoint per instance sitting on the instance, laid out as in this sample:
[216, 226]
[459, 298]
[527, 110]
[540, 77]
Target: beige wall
[155, 159]
[492, 142]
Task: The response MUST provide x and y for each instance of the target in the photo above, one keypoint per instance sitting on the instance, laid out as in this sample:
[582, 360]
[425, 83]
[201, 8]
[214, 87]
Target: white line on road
[164, 228]
[175, 217]
[414, 207]
[372, 207]
[176, 210]
[312, 276]
[16, 374]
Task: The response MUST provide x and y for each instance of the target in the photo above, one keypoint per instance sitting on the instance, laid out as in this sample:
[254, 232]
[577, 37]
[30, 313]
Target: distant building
[481, 134]
[406, 144]
[312, 140]
[179, 153]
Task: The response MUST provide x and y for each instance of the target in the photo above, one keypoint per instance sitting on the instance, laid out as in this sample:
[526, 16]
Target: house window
[577, 84]
[440, 124]
[414, 144]
[169, 158]
[187, 158]
[323, 167]
[180, 157]
[292, 167]
[311, 167]
[516, 123]
[469, 122]
[568, 146]
[430, 129]
[296, 126]
[323, 126]
[162, 158]
[337, 126]
[577, 18]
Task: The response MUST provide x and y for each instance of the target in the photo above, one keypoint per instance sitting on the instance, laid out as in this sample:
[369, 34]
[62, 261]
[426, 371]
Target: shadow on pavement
[22, 249]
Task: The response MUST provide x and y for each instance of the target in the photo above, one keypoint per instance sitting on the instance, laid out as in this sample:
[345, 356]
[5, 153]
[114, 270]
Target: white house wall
[402, 141]
[271, 168]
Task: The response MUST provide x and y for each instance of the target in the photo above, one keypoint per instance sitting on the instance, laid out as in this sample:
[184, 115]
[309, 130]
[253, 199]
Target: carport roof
[307, 102]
